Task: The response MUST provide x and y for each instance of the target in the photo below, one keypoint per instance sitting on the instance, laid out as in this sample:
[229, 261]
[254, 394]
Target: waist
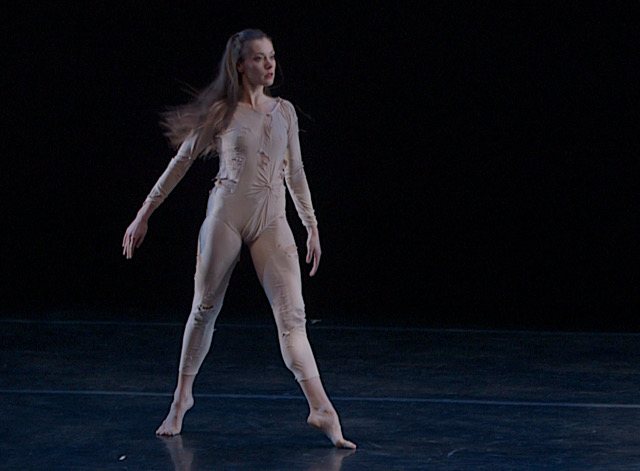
[253, 190]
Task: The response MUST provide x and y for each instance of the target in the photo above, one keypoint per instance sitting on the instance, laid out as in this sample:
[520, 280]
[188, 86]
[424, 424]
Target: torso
[249, 192]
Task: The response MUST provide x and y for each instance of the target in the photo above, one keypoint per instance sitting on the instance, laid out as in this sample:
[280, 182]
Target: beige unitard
[257, 152]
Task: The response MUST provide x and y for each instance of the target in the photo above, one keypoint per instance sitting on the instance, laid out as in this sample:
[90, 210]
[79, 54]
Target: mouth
[269, 75]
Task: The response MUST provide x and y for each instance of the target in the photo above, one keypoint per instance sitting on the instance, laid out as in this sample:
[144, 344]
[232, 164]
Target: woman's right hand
[134, 236]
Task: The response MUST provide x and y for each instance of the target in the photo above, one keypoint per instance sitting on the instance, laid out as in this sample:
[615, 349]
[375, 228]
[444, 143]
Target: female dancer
[256, 139]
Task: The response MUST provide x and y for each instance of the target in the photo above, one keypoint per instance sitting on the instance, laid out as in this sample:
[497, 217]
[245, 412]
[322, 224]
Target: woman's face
[259, 64]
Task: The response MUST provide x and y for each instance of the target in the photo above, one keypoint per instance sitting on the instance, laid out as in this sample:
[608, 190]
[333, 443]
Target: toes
[166, 430]
[346, 444]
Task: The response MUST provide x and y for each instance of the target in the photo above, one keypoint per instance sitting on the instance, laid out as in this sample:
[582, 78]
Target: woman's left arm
[299, 190]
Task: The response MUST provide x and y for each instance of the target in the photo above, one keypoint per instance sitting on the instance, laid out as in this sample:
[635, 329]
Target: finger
[314, 269]
[316, 263]
[309, 254]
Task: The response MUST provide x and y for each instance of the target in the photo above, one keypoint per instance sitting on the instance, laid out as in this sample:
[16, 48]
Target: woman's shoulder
[287, 109]
[284, 103]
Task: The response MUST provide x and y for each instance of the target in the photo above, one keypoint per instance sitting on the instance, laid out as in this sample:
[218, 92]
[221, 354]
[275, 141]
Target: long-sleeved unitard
[258, 152]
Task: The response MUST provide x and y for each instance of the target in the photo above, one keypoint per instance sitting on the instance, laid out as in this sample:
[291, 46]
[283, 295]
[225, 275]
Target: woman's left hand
[313, 249]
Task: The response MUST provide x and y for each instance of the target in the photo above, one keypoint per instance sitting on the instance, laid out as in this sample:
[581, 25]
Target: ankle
[323, 409]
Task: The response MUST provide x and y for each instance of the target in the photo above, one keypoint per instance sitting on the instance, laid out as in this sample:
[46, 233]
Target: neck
[252, 96]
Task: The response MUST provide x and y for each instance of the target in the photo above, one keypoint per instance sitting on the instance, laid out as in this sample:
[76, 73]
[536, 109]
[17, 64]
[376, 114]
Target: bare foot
[326, 419]
[172, 425]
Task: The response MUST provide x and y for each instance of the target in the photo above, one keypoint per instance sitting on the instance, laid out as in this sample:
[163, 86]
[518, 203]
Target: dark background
[471, 166]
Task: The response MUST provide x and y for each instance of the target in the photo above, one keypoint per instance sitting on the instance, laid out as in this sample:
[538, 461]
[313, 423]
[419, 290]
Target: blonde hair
[213, 107]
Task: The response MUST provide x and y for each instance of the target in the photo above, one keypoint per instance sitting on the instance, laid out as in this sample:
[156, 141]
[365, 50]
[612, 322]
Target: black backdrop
[471, 166]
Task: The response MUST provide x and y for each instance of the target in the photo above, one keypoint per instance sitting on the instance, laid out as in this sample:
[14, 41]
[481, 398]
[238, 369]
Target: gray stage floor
[81, 395]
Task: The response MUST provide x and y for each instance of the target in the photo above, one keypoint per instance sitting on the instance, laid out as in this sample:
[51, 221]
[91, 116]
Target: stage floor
[82, 395]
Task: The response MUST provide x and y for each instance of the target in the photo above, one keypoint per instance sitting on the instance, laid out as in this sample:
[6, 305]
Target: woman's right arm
[176, 169]
[134, 235]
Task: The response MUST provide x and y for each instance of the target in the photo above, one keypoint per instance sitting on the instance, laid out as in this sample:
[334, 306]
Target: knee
[292, 320]
[204, 313]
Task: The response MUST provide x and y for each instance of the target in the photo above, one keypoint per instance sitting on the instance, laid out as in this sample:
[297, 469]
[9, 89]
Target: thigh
[218, 251]
[275, 258]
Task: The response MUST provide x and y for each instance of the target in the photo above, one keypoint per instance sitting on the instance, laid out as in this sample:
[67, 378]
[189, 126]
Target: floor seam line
[488, 402]
[313, 326]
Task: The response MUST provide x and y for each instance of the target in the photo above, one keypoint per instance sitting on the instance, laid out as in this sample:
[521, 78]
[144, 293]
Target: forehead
[262, 45]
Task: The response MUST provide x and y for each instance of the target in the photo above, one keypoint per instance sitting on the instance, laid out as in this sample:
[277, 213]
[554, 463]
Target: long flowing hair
[211, 110]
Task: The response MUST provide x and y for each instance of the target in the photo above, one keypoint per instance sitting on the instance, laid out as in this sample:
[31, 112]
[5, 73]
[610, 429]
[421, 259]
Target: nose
[268, 63]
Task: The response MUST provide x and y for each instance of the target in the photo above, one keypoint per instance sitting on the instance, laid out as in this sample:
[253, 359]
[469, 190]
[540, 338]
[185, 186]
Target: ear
[240, 67]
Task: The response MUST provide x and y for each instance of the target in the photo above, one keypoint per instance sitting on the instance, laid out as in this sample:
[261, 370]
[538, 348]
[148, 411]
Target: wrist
[144, 213]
